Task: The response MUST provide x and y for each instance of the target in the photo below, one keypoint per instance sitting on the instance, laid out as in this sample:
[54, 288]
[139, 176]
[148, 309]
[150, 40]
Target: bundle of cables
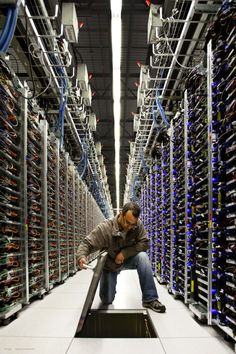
[84, 159]
[96, 191]
[158, 105]
[9, 27]
[60, 72]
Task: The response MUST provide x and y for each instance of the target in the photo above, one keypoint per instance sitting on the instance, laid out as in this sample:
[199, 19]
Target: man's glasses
[128, 223]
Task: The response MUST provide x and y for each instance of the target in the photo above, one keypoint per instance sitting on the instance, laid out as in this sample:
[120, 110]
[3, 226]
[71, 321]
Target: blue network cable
[9, 27]
[84, 159]
[160, 108]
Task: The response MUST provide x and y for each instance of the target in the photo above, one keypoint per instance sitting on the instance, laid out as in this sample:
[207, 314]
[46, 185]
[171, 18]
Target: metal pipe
[182, 21]
[46, 17]
[177, 39]
[43, 35]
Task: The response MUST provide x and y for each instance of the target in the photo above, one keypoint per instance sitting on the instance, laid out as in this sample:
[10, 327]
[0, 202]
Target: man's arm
[93, 242]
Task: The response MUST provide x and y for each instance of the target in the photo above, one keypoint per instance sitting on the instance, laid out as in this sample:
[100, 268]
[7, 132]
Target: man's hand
[119, 258]
[82, 261]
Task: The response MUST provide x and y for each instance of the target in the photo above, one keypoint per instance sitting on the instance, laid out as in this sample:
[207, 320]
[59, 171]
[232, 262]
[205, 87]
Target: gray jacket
[108, 236]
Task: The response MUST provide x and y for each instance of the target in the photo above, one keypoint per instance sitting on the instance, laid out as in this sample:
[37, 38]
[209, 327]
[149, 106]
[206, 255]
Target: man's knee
[142, 257]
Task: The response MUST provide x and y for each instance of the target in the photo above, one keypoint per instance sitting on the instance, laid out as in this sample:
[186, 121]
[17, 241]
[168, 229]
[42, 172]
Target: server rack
[71, 218]
[166, 239]
[221, 68]
[35, 217]
[213, 158]
[97, 214]
[43, 203]
[171, 275]
[89, 212]
[93, 212]
[13, 272]
[189, 204]
[63, 216]
[178, 205]
[143, 203]
[83, 192]
[155, 205]
[85, 217]
[151, 220]
[78, 237]
[158, 221]
[53, 209]
[149, 214]
[44, 130]
[197, 193]
[144, 217]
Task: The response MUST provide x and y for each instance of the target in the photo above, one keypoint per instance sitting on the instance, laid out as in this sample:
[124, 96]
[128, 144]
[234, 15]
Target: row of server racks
[45, 207]
[189, 195]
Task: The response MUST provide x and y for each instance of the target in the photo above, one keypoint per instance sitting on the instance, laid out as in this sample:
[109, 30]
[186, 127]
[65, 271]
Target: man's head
[129, 215]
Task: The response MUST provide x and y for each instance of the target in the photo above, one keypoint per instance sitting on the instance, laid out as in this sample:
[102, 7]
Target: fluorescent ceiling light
[116, 6]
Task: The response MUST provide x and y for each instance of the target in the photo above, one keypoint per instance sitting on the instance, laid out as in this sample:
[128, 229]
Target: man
[125, 240]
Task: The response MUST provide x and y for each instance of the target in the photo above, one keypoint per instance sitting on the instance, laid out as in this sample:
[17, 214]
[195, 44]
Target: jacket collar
[115, 227]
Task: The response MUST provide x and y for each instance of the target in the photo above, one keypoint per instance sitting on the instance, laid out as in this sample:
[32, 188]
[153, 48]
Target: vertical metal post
[25, 206]
[210, 192]
[86, 210]
[93, 212]
[162, 215]
[44, 132]
[171, 204]
[154, 219]
[58, 207]
[186, 181]
[66, 208]
[73, 214]
[79, 210]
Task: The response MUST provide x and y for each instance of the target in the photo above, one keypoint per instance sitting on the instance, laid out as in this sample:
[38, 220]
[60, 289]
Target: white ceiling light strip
[116, 6]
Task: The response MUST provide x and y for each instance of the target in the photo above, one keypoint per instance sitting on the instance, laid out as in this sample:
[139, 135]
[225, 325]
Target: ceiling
[171, 63]
[94, 49]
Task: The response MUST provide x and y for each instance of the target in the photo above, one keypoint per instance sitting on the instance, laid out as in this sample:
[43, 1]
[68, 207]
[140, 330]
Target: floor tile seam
[159, 337]
[58, 308]
[70, 292]
[190, 337]
[35, 337]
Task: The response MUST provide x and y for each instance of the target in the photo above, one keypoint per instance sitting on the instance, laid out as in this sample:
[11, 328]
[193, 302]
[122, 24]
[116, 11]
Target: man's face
[128, 221]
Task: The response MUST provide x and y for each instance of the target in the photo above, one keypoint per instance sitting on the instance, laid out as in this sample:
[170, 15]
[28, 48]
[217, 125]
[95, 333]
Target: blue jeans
[142, 264]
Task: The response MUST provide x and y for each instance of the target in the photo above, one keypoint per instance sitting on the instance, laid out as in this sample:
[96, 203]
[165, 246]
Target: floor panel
[47, 326]
[195, 346]
[116, 346]
[43, 323]
[16, 345]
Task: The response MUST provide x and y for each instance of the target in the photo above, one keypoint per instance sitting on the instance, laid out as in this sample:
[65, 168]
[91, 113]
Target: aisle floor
[47, 326]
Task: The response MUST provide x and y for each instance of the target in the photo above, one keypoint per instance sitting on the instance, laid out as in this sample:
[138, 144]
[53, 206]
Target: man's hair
[133, 207]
